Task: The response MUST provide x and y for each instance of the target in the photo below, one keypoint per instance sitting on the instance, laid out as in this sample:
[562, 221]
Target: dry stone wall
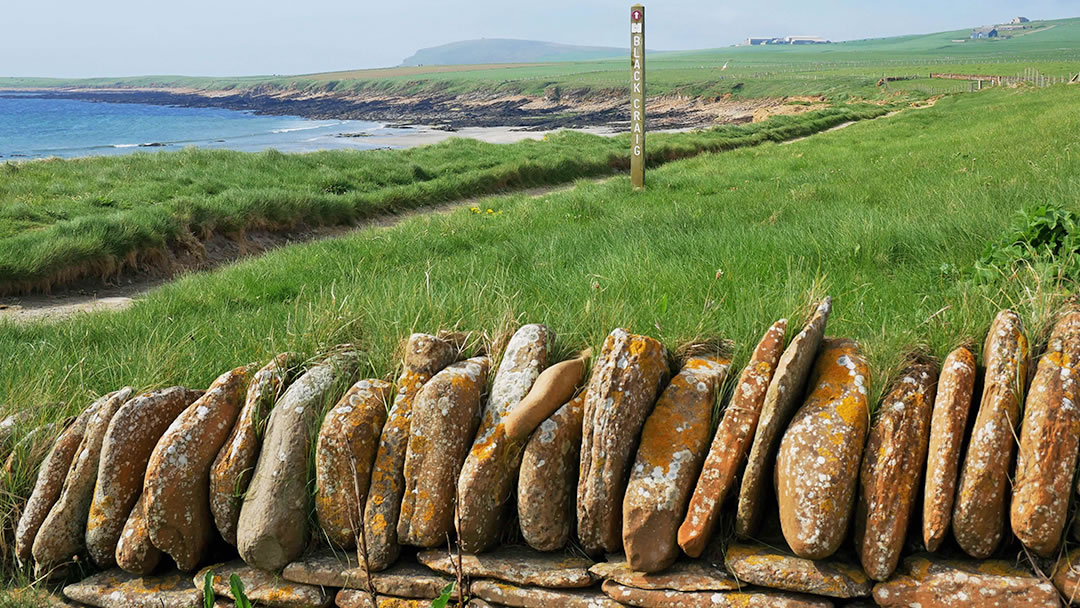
[378, 496]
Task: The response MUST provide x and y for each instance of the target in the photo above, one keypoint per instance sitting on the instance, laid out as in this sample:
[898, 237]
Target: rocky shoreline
[448, 111]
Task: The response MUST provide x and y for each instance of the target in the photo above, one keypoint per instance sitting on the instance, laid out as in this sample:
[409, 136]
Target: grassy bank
[65, 219]
[840, 71]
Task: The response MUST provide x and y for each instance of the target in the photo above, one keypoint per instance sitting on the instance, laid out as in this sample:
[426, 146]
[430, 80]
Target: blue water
[33, 127]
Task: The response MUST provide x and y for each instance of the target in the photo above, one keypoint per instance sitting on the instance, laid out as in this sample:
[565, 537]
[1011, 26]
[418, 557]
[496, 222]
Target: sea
[32, 126]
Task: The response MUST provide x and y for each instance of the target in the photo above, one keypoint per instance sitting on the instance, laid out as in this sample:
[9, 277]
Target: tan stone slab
[118, 589]
[681, 576]
[947, 425]
[1049, 443]
[336, 569]
[517, 565]
[749, 598]
[264, 588]
[1067, 576]
[783, 396]
[775, 569]
[351, 598]
[536, 597]
[930, 581]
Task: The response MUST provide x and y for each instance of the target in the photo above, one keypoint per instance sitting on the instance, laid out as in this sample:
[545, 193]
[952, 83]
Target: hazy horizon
[203, 38]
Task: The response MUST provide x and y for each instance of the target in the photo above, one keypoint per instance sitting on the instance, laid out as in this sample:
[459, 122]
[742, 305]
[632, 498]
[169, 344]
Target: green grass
[718, 245]
[61, 219]
[840, 70]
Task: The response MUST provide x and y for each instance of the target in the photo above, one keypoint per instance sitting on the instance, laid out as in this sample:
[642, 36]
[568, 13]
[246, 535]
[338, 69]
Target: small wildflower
[596, 285]
[474, 209]
[490, 211]
[719, 273]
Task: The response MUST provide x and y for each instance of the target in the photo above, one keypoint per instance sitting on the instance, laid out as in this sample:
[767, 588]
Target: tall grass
[63, 219]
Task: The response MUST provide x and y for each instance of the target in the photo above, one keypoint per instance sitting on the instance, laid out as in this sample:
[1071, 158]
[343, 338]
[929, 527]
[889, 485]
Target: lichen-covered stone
[768, 567]
[118, 589]
[730, 444]
[264, 588]
[817, 465]
[352, 598]
[487, 478]
[135, 553]
[1066, 576]
[781, 399]
[335, 569]
[552, 389]
[516, 565]
[925, 580]
[625, 383]
[50, 481]
[673, 444]
[63, 533]
[680, 576]
[532, 597]
[547, 480]
[424, 357]
[444, 420]
[748, 598]
[125, 452]
[891, 470]
[235, 461]
[344, 453]
[177, 481]
[947, 425]
[1049, 438]
[273, 527]
[981, 497]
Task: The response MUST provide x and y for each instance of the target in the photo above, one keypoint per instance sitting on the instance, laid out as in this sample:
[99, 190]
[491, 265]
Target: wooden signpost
[637, 96]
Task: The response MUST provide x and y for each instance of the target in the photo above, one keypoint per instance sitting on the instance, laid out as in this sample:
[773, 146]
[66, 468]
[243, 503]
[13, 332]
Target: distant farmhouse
[758, 41]
[987, 31]
[1019, 20]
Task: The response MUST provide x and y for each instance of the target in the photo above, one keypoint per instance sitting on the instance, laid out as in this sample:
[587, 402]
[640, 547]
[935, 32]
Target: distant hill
[503, 50]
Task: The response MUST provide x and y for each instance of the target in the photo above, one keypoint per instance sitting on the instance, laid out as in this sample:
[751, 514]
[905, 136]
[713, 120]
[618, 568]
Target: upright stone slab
[947, 425]
[981, 499]
[344, 453]
[125, 452]
[487, 478]
[625, 383]
[547, 481]
[817, 465]
[50, 481]
[553, 388]
[273, 527]
[775, 569]
[926, 580]
[445, 416]
[264, 588]
[673, 445]
[424, 357]
[232, 468]
[891, 469]
[135, 553]
[515, 565]
[727, 454]
[1049, 438]
[177, 482]
[782, 397]
[118, 589]
[62, 534]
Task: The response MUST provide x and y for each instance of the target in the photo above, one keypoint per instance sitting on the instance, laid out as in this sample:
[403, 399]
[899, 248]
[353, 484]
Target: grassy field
[61, 219]
[840, 70]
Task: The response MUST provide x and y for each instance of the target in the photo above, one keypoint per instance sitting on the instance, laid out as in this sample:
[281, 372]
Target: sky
[76, 38]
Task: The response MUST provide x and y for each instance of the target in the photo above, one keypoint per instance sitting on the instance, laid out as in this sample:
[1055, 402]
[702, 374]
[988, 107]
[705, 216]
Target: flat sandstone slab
[748, 598]
[265, 588]
[336, 569]
[768, 567]
[681, 576]
[931, 581]
[503, 594]
[118, 589]
[517, 565]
